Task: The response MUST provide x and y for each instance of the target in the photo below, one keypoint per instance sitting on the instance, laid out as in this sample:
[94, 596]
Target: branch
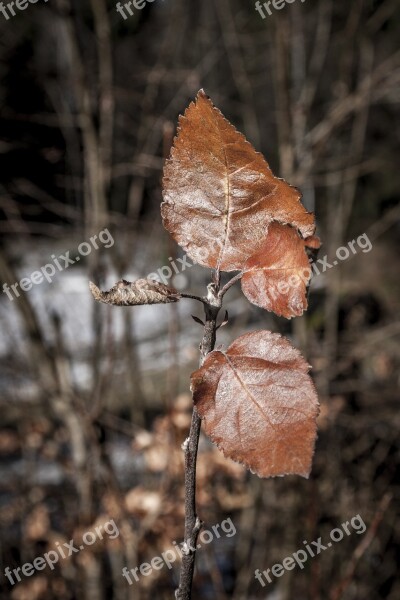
[360, 550]
[354, 101]
[190, 447]
[193, 297]
[230, 283]
[106, 95]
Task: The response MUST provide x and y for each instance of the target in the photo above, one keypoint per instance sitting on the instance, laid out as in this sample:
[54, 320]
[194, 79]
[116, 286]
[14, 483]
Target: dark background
[94, 400]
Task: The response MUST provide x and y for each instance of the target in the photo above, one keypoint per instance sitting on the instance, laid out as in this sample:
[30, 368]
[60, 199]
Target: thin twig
[193, 297]
[192, 521]
[230, 283]
[339, 590]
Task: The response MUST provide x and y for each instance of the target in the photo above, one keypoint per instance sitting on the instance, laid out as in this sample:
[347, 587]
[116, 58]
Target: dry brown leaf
[37, 523]
[141, 291]
[33, 589]
[277, 276]
[313, 242]
[259, 404]
[312, 246]
[142, 502]
[220, 194]
[9, 442]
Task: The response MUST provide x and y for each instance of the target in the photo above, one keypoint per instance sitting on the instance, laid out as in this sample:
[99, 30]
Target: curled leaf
[141, 291]
[312, 244]
[277, 276]
[220, 195]
[259, 404]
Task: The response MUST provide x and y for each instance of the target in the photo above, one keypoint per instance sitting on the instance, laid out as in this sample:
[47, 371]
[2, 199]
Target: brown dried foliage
[259, 404]
[276, 277]
[141, 291]
[224, 206]
[220, 196]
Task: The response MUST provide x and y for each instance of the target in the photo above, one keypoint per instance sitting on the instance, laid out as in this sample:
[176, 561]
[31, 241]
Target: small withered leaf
[259, 405]
[277, 276]
[220, 196]
[141, 291]
[312, 244]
